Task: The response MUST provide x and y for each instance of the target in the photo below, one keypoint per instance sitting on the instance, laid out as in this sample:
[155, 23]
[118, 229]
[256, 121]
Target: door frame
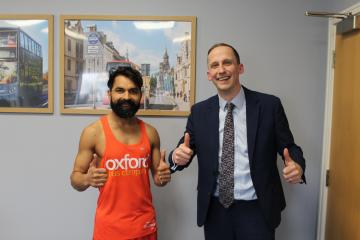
[325, 162]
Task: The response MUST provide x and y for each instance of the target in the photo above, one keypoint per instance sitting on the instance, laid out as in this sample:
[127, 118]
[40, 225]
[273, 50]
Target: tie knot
[230, 106]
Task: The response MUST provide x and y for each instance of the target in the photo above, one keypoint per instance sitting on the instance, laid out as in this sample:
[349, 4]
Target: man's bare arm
[85, 172]
[159, 168]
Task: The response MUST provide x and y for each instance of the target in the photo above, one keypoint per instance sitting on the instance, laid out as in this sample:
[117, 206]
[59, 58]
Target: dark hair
[226, 45]
[128, 72]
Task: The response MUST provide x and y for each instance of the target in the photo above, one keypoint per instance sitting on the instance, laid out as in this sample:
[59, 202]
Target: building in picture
[74, 60]
[183, 71]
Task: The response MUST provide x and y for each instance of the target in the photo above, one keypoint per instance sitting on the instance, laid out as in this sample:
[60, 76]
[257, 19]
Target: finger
[160, 179]
[183, 154]
[163, 168]
[94, 160]
[101, 184]
[187, 140]
[100, 180]
[288, 169]
[164, 181]
[100, 175]
[185, 149]
[164, 173]
[100, 170]
[162, 157]
[182, 162]
[287, 157]
[180, 157]
[165, 177]
[98, 183]
[294, 173]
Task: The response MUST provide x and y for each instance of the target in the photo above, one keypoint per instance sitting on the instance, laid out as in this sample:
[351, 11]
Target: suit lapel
[213, 130]
[252, 118]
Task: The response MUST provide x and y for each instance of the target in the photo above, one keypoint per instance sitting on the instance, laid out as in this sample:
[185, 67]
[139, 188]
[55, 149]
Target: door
[343, 207]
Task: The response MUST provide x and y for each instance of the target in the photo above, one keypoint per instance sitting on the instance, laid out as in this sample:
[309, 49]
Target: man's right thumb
[187, 139]
[94, 161]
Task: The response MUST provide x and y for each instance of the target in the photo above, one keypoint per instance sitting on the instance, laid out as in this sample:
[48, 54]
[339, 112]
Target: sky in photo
[142, 46]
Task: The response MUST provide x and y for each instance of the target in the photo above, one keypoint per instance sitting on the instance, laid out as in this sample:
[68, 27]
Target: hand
[292, 171]
[163, 175]
[96, 177]
[182, 154]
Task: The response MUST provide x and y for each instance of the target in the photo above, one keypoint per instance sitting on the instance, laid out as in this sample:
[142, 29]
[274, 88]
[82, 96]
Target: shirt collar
[238, 100]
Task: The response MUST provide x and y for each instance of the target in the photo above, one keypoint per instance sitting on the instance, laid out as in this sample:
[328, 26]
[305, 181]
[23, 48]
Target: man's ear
[208, 76]
[241, 68]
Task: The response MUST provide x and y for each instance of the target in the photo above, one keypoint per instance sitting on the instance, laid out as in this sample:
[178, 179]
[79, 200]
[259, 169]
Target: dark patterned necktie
[226, 176]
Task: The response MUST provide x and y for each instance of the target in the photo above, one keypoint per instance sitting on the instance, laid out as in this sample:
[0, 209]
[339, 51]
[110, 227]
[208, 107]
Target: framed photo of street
[26, 63]
[162, 49]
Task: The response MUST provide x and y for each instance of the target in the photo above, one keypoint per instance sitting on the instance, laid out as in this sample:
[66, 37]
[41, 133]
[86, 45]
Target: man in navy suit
[260, 131]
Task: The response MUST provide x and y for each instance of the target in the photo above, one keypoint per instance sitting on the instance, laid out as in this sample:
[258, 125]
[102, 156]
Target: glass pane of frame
[26, 63]
[161, 48]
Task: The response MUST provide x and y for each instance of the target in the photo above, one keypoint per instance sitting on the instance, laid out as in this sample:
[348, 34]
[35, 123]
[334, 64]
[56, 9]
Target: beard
[124, 108]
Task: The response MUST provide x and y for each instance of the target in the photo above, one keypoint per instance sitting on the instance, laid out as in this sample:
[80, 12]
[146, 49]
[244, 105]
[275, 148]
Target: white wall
[336, 5]
[284, 53]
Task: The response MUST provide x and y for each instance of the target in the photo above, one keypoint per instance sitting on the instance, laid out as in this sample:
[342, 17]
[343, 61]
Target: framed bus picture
[26, 63]
[162, 49]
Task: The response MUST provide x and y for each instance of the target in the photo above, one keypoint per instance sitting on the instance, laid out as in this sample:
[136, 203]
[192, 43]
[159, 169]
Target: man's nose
[126, 95]
[221, 69]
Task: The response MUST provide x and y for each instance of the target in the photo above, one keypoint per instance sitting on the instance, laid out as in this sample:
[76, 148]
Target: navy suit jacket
[268, 133]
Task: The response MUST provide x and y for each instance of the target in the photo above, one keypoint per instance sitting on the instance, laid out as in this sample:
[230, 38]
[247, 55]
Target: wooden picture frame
[26, 63]
[161, 48]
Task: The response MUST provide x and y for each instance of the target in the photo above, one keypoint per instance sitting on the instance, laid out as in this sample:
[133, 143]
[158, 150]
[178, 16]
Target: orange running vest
[124, 207]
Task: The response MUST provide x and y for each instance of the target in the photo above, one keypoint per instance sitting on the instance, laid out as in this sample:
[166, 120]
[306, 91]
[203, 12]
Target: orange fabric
[124, 207]
[152, 236]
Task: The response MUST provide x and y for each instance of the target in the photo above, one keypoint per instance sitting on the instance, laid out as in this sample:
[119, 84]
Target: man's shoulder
[149, 127]
[205, 104]
[93, 128]
[260, 96]
[150, 131]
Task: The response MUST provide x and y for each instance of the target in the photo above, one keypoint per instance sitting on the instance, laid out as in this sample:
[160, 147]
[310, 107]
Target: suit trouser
[243, 220]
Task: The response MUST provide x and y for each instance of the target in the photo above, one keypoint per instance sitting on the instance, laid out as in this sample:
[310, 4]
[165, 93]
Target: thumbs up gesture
[292, 171]
[163, 175]
[96, 177]
[182, 154]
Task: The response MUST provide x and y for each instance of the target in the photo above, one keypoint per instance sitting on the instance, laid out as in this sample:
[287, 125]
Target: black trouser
[243, 220]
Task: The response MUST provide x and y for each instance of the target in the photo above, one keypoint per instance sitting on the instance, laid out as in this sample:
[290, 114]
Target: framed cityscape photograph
[162, 49]
[26, 63]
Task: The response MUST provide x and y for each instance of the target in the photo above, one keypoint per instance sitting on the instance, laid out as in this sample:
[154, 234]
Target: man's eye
[134, 91]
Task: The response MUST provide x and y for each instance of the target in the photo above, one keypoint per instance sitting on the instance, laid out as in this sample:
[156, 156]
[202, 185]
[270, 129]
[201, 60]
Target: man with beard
[125, 148]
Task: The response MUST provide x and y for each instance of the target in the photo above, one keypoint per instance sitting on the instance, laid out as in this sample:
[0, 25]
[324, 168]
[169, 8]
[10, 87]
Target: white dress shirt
[243, 185]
